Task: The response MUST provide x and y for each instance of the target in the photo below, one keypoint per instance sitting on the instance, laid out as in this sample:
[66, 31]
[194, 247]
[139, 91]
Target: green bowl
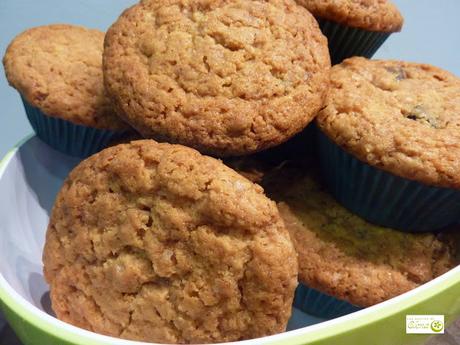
[30, 176]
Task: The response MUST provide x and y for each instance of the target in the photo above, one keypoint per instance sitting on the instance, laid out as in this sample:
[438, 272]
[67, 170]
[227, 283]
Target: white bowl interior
[28, 188]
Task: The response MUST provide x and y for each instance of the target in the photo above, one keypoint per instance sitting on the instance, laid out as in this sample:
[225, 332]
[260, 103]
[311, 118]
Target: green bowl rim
[328, 329]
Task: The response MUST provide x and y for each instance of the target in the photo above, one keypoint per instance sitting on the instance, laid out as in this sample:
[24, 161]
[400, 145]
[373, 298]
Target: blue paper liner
[300, 145]
[383, 198]
[67, 137]
[320, 304]
[346, 41]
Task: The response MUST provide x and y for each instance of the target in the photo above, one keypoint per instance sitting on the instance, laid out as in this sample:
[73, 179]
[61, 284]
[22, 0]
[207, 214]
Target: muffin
[227, 77]
[389, 143]
[346, 263]
[155, 242]
[355, 27]
[57, 70]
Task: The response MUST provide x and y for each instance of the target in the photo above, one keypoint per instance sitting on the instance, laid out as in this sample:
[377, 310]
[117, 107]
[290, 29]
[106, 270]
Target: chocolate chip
[398, 71]
[420, 114]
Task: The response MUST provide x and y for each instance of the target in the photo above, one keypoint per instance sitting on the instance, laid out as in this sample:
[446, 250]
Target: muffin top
[346, 257]
[371, 15]
[155, 242]
[398, 116]
[227, 77]
[58, 68]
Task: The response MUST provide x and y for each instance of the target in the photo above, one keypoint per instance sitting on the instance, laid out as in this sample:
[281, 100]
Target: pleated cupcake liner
[346, 41]
[67, 137]
[382, 198]
[320, 304]
[300, 145]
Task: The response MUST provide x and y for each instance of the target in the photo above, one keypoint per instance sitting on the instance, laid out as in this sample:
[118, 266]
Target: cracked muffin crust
[342, 255]
[398, 116]
[371, 15]
[58, 69]
[227, 77]
[156, 242]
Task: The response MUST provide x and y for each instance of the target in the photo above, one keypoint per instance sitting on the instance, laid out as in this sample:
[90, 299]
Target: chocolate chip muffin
[355, 27]
[57, 69]
[401, 121]
[155, 242]
[227, 77]
[399, 116]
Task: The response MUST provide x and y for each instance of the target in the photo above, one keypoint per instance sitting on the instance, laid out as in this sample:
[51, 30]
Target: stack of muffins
[151, 240]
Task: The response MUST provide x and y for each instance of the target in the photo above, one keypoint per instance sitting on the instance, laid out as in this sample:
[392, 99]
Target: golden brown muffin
[58, 69]
[398, 116]
[342, 255]
[370, 15]
[227, 77]
[155, 242]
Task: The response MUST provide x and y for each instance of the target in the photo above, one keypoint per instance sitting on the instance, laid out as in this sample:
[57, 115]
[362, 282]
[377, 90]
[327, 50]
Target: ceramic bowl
[31, 175]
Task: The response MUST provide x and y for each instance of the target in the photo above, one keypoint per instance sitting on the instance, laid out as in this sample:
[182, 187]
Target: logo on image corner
[437, 326]
[424, 324]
